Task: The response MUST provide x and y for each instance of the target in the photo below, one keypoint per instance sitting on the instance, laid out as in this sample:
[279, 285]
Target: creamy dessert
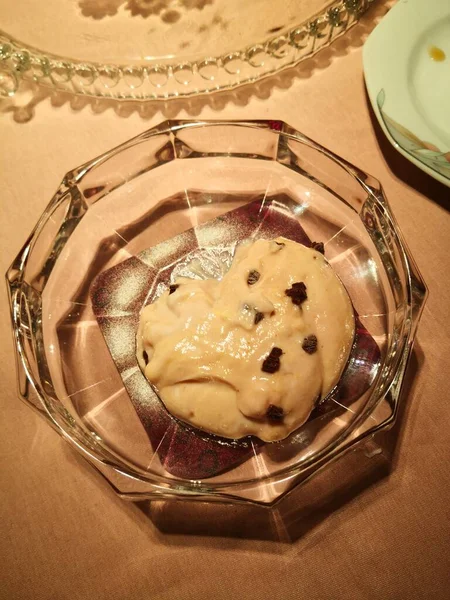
[251, 353]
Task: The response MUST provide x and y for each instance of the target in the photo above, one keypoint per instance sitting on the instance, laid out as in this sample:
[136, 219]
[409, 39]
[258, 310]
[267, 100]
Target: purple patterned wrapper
[184, 451]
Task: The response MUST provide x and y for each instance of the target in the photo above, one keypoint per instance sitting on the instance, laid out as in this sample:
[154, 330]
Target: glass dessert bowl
[117, 230]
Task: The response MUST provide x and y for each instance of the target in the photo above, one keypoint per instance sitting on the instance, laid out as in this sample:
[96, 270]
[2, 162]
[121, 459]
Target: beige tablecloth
[65, 535]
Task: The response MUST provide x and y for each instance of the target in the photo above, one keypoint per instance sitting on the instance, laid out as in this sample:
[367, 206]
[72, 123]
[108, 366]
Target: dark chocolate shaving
[271, 364]
[253, 277]
[173, 287]
[318, 246]
[310, 344]
[259, 316]
[275, 413]
[297, 293]
[145, 356]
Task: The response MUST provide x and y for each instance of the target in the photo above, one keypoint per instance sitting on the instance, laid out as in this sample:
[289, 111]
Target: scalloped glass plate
[143, 49]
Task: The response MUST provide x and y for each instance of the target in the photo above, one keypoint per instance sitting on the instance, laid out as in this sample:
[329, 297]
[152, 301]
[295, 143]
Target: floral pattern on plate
[427, 153]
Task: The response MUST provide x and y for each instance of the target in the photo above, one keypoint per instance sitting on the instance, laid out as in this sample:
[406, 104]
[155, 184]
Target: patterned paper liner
[202, 251]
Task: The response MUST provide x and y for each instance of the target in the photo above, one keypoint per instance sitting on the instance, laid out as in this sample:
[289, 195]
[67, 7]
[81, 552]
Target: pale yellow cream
[206, 350]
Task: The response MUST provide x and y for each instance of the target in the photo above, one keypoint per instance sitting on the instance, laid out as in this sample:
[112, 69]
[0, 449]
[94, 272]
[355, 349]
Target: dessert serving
[174, 206]
[251, 353]
[232, 334]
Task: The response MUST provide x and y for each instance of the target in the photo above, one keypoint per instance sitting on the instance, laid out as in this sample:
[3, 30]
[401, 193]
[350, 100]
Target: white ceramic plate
[407, 71]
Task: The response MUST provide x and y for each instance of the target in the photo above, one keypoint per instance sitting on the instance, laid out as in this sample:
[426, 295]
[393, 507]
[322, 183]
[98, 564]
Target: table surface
[64, 532]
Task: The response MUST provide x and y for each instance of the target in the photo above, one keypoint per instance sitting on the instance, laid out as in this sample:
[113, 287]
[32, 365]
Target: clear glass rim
[96, 452]
[24, 61]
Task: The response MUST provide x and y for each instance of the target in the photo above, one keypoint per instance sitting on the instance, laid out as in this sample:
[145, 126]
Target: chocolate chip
[275, 413]
[309, 344]
[318, 246]
[253, 277]
[173, 287]
[259, 316]
[271, 364]
[145, 355]
[297, 293]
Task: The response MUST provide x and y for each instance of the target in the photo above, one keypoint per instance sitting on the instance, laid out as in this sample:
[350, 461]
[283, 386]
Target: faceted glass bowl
[176, 176]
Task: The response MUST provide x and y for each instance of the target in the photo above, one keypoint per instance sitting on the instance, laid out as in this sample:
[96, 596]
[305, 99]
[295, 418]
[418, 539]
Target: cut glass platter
[150, 49]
